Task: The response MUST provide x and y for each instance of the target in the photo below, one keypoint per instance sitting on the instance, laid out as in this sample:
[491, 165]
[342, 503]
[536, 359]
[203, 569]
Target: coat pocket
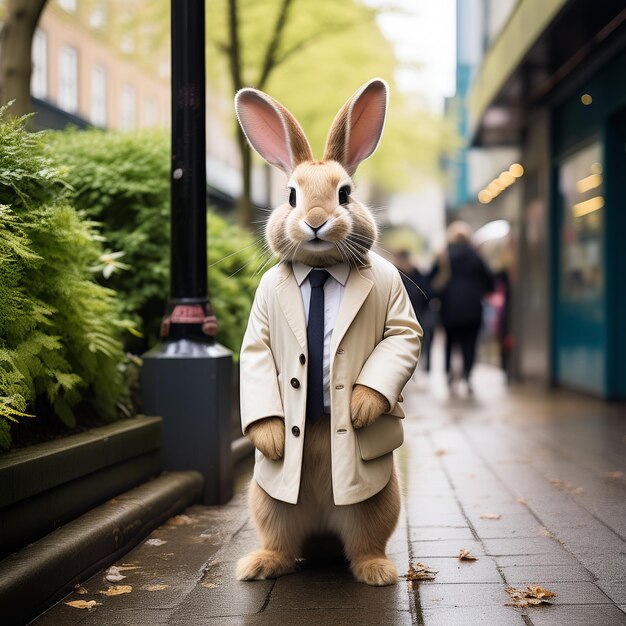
[383, 436]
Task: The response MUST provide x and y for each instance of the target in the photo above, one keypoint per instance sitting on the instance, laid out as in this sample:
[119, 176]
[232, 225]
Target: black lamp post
[187, 378]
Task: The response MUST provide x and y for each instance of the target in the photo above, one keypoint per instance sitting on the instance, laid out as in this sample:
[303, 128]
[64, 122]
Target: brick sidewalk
[544, 463]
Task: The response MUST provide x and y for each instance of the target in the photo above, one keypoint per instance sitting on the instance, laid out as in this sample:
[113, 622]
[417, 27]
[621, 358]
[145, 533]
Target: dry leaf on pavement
[80, 590]
[466, 555]
[419, 571]
[531, 596]
[113, 574]
[117, 590]
[440, 452]
[157, 587]
[490, 516]
[522, 501]
[155, 542]
[614, 475]
[83, 604]
[180, 520]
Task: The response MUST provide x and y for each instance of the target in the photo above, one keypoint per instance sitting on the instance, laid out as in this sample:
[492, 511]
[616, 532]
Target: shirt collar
[339, 272]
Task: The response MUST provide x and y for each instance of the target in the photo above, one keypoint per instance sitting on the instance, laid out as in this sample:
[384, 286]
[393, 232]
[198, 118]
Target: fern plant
[60, 331]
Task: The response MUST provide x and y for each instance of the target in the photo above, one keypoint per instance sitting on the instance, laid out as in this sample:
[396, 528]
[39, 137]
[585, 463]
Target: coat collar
[290, 300]
[357, 289]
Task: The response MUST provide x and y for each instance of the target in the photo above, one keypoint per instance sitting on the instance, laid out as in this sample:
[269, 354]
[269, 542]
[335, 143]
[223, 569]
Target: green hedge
[121, 180]
[60, 331]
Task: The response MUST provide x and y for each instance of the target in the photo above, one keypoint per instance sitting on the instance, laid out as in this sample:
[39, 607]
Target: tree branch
[269, 61]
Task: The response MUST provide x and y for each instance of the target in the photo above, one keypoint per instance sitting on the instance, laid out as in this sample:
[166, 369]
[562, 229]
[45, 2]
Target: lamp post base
[188, 384]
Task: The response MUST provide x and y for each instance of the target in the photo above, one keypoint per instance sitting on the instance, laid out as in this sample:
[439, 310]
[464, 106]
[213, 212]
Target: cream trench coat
[375, 342]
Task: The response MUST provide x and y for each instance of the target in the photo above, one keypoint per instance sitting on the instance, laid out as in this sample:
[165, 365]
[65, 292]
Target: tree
[16, 37]
[262, 37]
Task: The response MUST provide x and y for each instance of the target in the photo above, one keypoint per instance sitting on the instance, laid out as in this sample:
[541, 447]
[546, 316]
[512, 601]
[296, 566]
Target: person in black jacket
[461, 279]
[420, 293]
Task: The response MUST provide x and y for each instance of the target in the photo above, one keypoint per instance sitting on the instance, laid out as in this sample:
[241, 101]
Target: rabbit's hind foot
[264, 564]
[375, 571]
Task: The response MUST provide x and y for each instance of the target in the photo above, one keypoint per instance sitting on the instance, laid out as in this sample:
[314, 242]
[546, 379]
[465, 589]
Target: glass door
[580, 323]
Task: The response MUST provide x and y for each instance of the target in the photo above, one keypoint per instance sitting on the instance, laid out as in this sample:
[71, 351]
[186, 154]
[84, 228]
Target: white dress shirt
[334, 288]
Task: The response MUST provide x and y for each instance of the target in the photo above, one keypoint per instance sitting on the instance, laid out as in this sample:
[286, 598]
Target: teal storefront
[588, 264]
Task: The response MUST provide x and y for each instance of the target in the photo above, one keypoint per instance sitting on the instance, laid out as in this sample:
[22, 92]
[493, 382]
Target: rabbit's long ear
[271, 130]
[357, 128]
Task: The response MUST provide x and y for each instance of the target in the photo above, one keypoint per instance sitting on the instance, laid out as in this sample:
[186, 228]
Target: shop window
[581, 190]
[39, 76]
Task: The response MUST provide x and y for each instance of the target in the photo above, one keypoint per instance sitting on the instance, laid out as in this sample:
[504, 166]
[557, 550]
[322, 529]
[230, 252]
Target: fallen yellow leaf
[522, 501]
[419, 571]
[490, 516]
[117, 590]
[157, 587]
[466, 555]
[83, 604]
[531, 596]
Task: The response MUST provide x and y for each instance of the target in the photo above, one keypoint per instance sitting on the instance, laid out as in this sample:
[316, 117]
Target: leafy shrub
[121, 180]
[59, 330]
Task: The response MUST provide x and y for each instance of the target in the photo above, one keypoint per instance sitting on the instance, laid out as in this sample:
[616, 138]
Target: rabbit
[318, 478]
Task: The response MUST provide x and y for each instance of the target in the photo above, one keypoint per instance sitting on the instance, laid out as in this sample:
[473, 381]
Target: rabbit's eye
[344, 192]
[292, 196]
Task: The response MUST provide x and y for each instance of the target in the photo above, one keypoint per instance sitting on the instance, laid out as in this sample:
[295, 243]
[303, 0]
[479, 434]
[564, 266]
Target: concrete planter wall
[49, 484]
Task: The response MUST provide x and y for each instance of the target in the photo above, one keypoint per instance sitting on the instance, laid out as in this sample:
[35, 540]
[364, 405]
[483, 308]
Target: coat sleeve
[260, 393]
[392, 362]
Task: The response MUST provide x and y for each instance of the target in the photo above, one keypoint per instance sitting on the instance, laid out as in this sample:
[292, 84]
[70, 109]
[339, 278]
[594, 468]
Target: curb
[43, 572]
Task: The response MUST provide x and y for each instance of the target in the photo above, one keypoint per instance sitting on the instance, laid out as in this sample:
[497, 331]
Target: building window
[99, 96]
[98, 15]
[128, 108]
[150, 112]
[68, 79]
[68, 5]
[581, 190]
[39, 77]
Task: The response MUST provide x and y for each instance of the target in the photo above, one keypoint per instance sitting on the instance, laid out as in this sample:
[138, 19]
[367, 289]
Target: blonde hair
[459, 232]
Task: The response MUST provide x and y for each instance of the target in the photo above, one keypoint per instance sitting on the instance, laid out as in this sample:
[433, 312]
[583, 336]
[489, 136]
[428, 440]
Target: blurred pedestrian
[461, 280]
[420, 292]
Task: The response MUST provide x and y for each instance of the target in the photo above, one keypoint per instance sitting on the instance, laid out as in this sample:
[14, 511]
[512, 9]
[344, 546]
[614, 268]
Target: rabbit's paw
[264, 564]
[366, 406]
[378, 572]
[268, 436]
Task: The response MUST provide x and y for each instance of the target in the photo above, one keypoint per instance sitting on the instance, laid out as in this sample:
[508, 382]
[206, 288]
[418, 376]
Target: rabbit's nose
[313, 228]
[316, 217]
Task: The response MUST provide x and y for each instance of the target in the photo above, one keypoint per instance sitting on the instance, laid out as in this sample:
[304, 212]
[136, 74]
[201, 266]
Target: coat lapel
[290, 300]
[357, 289]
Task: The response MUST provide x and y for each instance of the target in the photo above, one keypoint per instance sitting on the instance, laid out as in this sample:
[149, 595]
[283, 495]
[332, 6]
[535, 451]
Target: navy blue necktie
[315, 340]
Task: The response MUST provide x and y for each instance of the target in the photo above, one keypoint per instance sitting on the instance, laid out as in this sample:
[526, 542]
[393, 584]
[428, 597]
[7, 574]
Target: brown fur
[353, 229]
[364, 528]
[349, 231]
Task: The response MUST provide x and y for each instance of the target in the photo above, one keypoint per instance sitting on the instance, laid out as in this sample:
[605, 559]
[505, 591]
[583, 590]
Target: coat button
[339, 387]
[296, 431]
[295, 383]
[302, 359]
